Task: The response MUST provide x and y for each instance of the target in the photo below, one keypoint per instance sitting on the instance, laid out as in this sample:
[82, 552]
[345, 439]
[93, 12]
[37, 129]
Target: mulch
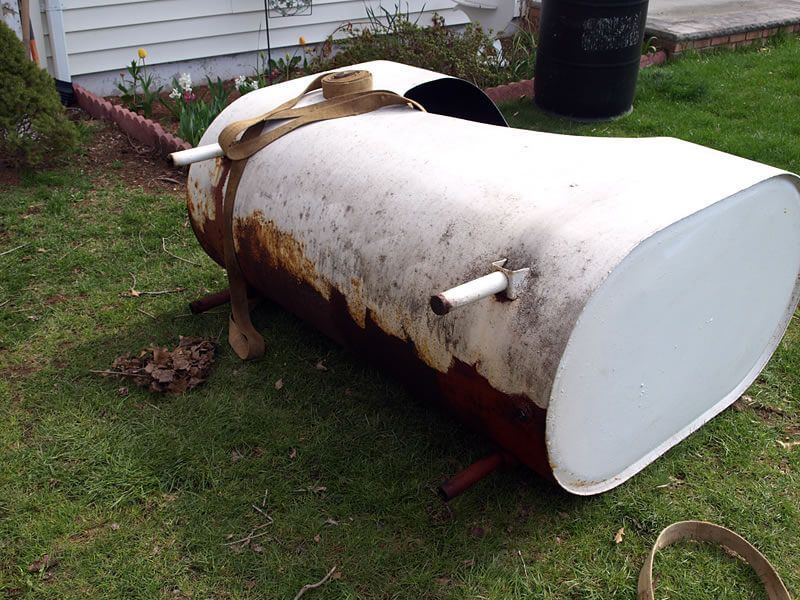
[113, 153]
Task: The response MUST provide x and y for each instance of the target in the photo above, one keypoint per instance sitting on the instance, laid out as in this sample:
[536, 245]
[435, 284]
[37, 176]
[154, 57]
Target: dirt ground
[111, 151]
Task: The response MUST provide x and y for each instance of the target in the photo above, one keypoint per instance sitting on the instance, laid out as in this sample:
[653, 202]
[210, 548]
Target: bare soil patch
[113, 152]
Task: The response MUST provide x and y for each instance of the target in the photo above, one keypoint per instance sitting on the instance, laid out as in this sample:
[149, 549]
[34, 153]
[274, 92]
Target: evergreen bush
[34, 128]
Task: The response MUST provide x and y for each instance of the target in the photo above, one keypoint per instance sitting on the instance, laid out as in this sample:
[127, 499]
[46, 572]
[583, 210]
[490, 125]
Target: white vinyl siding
[104, 36]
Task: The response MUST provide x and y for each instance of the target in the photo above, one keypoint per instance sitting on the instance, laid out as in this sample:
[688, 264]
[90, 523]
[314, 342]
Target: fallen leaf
[314, 489]
[163, 375]
[293, 453]
[443, 580]
[732, 553]
[620, 534]
[317, 538]
[115, 526]
[330, 521]
[477, 532]
[161, 356]
[257, 548]
[789, 445]
[86, 535]
[337, 575]
[673, 483]
[161, 370]
[249, 584]
[321, 366]
[470, 562]
[279, 384]
[43, 564]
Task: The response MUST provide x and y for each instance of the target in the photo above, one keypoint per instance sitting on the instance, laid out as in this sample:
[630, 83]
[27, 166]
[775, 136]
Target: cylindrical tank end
[465, 479]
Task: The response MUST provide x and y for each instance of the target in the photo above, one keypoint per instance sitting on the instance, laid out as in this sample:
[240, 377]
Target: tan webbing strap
[346, 82]
[242, 139]
[242, 336]
[709, 532]
[341, 106]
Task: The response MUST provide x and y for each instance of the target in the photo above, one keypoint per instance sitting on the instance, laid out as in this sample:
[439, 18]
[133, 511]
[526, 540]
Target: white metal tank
[661, 278]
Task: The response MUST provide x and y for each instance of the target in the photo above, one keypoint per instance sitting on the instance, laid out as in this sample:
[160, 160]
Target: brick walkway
[679, 25]
[683, 24]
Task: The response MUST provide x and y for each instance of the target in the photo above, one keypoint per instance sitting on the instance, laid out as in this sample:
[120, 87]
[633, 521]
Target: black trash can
[587, 61]
[65, 91]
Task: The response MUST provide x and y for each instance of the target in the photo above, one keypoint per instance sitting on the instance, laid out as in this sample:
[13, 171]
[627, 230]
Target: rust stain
[206, 210]
[258, 238]
[275, 264]
[513, 422]
[355, 302]
[190, 203]
[426, 352]
[221, 168]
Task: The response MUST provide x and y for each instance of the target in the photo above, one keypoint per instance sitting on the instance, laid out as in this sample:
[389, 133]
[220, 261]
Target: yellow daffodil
[142, 53]
[302, 41]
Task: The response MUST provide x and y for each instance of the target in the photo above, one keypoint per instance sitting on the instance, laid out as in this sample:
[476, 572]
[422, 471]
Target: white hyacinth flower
[185, 82]
[175, 94]
[253, 85]
[240, 81]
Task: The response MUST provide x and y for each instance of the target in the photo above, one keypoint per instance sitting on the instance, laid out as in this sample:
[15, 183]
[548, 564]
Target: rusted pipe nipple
[466, 478]
[502, 280]
[440, 305]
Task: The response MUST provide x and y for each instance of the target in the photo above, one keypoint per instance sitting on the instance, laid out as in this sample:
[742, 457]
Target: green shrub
[33, 126]
[519, 53]
[469, 54]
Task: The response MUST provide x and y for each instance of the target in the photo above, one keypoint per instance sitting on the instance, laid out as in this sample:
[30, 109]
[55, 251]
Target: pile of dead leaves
[161, 370]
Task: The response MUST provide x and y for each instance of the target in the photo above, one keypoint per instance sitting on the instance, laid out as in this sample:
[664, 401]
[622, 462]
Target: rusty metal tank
[656, 276]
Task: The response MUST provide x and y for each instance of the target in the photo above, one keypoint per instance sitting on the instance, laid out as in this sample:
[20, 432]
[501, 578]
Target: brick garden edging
[524, 89]
[143, 130]
[152, 134]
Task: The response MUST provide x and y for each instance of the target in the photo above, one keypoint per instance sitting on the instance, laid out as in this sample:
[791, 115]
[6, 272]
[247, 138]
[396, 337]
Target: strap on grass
[709, 532]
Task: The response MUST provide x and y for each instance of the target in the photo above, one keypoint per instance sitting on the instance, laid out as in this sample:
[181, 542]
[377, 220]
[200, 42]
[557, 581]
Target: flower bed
[186, 110]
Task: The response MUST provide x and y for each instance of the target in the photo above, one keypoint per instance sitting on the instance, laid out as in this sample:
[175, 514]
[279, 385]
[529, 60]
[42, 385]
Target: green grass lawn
[136, 495]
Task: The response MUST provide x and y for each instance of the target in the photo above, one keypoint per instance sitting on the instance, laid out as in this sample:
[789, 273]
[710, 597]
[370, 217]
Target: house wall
[216, 37]
[9, 14]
